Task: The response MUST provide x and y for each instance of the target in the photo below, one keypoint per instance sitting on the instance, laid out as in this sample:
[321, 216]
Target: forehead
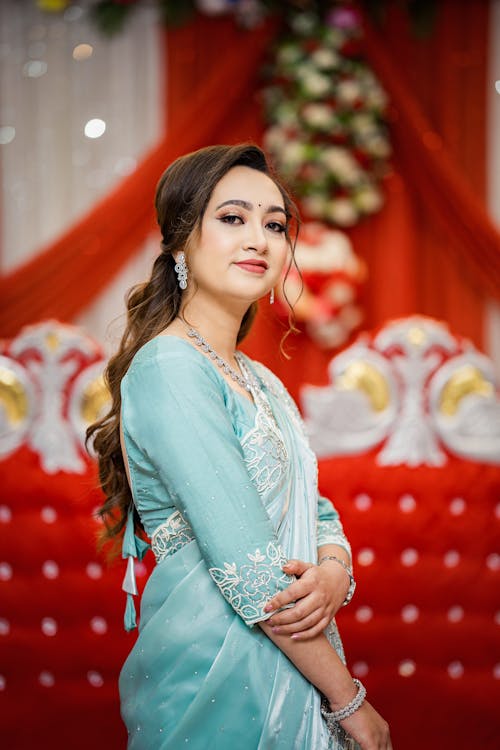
[248, 184]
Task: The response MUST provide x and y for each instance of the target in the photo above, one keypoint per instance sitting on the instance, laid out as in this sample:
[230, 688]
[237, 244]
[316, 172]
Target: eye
[231, 219]
[277, 227]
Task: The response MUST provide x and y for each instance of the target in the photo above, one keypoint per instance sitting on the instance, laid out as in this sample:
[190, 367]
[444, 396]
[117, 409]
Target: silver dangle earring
[181, 270]
[271, 297]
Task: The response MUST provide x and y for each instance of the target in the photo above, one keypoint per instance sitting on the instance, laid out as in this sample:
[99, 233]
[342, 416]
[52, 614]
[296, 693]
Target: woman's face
[242, 245]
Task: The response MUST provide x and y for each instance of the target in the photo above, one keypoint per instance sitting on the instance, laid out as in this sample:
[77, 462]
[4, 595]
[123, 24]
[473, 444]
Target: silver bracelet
[331, 717]
[348, 570]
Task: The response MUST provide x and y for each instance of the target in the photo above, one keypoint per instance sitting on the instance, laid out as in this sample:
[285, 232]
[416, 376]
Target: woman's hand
[318, 594]
[368, 728]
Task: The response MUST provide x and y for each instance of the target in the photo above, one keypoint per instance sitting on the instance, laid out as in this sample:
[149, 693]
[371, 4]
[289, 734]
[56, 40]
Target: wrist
[333, 559]
[333, 714]
[342, 696]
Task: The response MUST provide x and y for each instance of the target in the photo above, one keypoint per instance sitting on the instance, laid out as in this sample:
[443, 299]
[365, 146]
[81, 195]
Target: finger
[296, 567]
[299, 623]
[296, 590]
[302, 608]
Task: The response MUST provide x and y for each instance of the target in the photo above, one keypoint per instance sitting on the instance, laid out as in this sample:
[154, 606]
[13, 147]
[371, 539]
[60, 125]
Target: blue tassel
[129, 621]
[129, 546]
[133, 547]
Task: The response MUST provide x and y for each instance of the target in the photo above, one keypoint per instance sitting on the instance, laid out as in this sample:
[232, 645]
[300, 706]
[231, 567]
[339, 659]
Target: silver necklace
[225, 366]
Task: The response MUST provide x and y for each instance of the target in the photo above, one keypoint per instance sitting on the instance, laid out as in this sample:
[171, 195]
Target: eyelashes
[235, 220]
[231, 219]
[278, 227]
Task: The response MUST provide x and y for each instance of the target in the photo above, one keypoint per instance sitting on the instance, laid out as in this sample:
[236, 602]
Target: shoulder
[173, 361]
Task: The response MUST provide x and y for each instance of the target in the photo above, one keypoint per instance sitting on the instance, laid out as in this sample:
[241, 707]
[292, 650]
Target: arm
[317, 660]
[331, 532]
[173, 409]
[321, 590]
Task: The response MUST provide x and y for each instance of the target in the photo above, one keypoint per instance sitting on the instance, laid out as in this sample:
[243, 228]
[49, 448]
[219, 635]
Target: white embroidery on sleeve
[250, 586]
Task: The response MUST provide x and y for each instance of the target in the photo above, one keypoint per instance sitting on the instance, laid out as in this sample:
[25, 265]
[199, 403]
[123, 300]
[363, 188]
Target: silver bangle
[348, 570]
[343, 713]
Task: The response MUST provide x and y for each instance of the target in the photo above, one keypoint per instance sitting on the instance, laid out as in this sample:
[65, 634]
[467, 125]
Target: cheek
[215, 242]
[210, 250]
[283, 253]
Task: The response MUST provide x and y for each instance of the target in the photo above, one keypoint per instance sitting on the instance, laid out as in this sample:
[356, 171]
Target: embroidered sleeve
[249, 586]
[329, 527]
[173, 409]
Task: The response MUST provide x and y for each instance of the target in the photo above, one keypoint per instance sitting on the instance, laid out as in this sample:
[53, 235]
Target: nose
[256, 237]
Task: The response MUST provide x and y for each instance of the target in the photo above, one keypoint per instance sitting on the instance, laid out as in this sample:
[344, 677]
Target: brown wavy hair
[181, 199]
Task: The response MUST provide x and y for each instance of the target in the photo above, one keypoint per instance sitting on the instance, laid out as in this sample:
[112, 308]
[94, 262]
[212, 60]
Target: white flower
[342, 212]
[293, 154]
[378, 146]
[363, 124]
[318, 115]
[325, 58]
[303, 23]
[285, 114]
[348, 92]
[324, 250]
[376, 98]
[368, 199]
[341, 164]
[315, 84]
[213, 7]
[315, 205]
[274, 138]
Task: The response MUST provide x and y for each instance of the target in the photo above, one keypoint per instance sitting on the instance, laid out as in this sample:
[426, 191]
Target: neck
[216, 323]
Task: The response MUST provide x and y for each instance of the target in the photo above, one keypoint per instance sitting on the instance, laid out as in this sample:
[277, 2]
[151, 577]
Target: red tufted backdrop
[422, 630]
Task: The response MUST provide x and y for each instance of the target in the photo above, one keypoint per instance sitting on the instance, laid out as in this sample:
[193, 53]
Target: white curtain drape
[51, 172]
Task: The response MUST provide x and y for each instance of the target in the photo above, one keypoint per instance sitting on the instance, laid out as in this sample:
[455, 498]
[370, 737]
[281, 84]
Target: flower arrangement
[326, 294]
[111, 16]
[325, 112]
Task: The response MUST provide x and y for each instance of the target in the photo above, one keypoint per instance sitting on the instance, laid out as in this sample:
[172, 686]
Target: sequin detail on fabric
[249, 587]
[278, 390]
[332, 532]
[266, 456]
[265, 453]
[171, 536]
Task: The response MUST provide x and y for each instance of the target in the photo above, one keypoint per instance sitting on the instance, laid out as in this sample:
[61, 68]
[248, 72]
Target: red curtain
[431, 250]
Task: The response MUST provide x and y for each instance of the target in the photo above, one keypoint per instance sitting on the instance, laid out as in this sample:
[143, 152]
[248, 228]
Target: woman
[204, 450]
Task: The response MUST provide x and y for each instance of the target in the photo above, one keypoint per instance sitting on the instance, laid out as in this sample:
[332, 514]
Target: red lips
[253, 265]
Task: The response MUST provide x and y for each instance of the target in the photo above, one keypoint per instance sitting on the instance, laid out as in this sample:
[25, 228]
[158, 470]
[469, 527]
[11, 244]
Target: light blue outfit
[227, 491]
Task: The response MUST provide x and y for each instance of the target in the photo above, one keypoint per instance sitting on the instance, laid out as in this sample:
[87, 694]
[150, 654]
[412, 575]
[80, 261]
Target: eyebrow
[249, 206]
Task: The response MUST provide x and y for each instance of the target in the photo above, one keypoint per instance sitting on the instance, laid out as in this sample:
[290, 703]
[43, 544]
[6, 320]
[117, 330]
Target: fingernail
[276, 630]
[295, 636]
[268, 608]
